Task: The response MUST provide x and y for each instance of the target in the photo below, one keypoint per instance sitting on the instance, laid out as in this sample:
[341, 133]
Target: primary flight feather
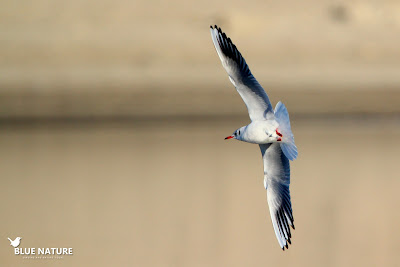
[269, 128]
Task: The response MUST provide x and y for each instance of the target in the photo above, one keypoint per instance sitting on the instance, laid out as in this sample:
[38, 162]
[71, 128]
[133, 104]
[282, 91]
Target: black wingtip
[215, 27]
[287, 246]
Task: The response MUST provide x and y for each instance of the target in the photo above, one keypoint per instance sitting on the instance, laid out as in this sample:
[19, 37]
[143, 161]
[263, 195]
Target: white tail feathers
[287, 145]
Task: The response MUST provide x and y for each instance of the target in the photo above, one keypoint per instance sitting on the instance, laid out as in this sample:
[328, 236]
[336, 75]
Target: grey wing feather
[277, 181]
[252, 93]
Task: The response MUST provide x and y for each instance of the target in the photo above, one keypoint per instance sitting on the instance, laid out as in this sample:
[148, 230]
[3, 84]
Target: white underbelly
[261, 132]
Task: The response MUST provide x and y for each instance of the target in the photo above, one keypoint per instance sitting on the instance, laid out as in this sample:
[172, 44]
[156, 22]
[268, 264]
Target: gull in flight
[269, 128]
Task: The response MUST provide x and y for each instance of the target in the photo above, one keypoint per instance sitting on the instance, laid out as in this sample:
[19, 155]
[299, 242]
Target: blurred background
[113, 114]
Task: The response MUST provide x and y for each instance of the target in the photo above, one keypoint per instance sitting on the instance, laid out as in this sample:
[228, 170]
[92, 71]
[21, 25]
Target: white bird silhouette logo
[16, 242]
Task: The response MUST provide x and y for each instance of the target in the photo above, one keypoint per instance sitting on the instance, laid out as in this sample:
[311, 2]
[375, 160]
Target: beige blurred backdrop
[113, 114]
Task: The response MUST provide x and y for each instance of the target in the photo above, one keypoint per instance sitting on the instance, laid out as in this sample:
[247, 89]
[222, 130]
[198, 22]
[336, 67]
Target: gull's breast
[261, 132]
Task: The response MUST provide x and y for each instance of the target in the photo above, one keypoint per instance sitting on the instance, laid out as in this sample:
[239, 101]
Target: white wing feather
[253, 95]
[277, 181]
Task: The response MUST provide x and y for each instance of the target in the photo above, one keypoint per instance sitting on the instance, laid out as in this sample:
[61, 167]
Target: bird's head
[237, 134]
[18, 238]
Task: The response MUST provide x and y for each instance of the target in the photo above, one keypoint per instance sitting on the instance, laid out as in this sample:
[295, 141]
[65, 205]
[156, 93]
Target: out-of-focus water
[174, 193]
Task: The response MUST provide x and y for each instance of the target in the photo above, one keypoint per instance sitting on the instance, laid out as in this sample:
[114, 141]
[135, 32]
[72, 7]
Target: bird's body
[269, 128]
[259, 132]
[15, 243]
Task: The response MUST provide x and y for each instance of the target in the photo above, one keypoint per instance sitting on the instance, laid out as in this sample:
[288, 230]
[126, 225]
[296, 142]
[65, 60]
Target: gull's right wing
[277, 181]
[250, 90]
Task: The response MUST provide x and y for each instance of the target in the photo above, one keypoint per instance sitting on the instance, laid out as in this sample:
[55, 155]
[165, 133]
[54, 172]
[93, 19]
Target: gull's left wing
[250, 90]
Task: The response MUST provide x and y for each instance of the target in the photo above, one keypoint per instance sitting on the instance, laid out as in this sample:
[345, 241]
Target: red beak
[229, 137]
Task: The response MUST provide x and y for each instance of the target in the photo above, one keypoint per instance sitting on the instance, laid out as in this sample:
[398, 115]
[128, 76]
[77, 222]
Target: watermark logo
[39, 252]
[15, 243]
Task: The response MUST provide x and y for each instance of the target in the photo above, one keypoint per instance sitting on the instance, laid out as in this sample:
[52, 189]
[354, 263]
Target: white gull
[269, 128]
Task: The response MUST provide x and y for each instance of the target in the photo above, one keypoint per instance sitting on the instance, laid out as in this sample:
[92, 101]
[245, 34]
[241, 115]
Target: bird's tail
[287, 145]
[9, 239]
